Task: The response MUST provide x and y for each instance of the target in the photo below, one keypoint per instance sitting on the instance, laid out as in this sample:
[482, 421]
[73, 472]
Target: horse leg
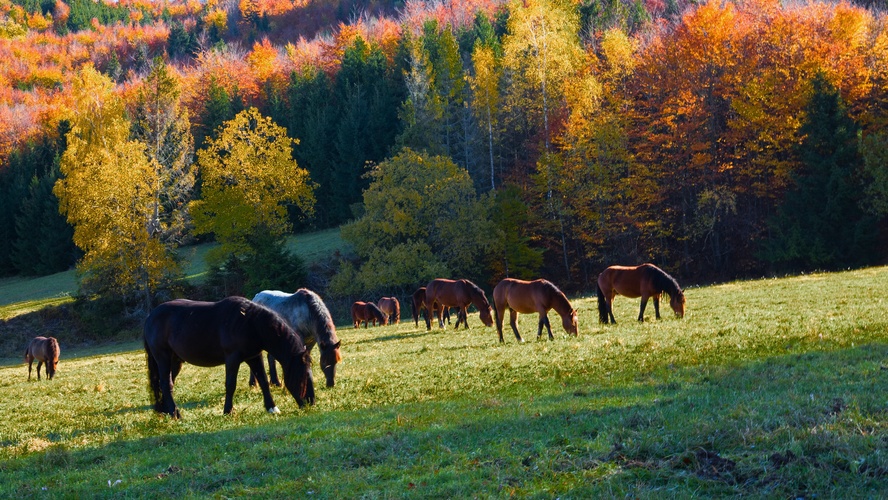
[610, 308]
[460, 318]
[513, 315]
[30, 364]
[273, 372]
[657, 305]
[253, 379]
[175, 368]
[644, 301]
[258, 367]
[39, 364]
[232, 364]
[465, 316]
[545, 321]
[165, 376]
[499, 321]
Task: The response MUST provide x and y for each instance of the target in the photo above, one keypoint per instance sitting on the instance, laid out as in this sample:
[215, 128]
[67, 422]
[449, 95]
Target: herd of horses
[287, 326]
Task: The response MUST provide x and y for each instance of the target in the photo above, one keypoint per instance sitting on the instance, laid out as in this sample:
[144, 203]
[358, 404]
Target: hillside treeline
[717, 139]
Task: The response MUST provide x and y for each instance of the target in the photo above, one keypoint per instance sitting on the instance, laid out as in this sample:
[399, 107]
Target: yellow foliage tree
[249, 175]
[107, 191]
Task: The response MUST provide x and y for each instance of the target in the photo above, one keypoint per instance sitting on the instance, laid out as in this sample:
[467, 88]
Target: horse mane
[664, 281]
[284, 334]
[377, 312]
[477, 290]
[560, 297]
[321, 315]
[53, 348]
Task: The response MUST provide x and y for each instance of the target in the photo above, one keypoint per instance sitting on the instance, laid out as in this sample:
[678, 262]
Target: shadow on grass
[801, 425]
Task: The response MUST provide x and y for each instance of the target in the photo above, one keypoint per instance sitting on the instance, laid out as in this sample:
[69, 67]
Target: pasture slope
[770, 388]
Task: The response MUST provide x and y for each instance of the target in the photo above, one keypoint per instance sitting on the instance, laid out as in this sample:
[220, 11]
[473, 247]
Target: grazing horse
[418, 306]
[532, 297]
[307, 314]
[44, 350]
[230, 332]
[391, 307]
[460, 293]
[367, 312]
[645, 281]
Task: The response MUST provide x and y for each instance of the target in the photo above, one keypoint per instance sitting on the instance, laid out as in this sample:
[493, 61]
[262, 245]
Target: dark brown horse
[392, 307]
[528, 297]
[419, 306]
[44, 350]
[367, 312]
[230, 332]
[645, 281]
[443, 293]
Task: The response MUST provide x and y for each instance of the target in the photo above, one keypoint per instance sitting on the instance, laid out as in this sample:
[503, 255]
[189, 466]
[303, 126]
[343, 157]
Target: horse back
[188, 329]
[628, 281]
[524, 296]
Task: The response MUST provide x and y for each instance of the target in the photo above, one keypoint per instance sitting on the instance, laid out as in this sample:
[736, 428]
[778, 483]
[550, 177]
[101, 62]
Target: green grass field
[769, 388]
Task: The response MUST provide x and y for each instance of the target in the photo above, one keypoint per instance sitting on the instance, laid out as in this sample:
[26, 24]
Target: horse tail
[397, 310]
[602, 305]
[413, 311]
[153, 379]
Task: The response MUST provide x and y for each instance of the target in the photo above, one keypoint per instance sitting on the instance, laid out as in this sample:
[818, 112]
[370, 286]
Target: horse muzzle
[330, 374]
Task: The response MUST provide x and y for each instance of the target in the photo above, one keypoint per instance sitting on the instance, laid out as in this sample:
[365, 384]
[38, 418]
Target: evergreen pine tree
[820, 224]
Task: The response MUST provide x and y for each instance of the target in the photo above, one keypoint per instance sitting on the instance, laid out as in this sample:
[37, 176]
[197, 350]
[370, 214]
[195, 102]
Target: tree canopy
[422, 219]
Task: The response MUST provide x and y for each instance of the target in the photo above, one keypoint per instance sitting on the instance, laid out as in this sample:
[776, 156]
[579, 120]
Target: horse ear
[336, 345]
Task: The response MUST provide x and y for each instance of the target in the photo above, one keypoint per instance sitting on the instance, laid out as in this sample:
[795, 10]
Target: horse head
[486, 315]
[570, 323]
[298, 379]
[330, 356]
[677, 302]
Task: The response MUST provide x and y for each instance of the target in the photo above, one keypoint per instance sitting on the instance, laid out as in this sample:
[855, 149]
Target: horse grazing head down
[298, 379]
[570, 323]
[677, 302]
[479, 299]
[330, 356]
[43, 350]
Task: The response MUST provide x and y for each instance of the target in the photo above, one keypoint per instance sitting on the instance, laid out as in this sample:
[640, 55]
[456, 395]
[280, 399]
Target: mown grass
[766, 388]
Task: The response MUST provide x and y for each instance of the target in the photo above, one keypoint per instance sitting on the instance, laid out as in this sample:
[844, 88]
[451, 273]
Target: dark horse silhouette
[229, 332]
[460, 293]
[532, 297]
[307, 314]
[418, 306]
[367, 312]
[391, 307]
[645, 281]
[44, 350]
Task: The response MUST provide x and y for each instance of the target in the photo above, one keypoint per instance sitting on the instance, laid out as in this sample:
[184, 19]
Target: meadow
[773, 387]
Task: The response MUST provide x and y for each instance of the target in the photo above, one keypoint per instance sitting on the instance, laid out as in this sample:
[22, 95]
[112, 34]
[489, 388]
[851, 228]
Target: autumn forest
[480, 139]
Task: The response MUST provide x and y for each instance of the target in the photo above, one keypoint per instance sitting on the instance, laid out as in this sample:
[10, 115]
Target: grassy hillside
[20, 295]
[766, 388]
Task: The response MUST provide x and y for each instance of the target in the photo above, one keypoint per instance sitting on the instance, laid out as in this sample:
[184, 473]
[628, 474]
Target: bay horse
[528, 297]
[392, 307]
[418, 306]
[445, 293]
[44, 350]
[367, 312]
[307, 314]
[229, 332]
[645, 281]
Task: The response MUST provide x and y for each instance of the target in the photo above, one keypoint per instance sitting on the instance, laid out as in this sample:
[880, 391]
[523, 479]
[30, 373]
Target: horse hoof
[274, 410]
